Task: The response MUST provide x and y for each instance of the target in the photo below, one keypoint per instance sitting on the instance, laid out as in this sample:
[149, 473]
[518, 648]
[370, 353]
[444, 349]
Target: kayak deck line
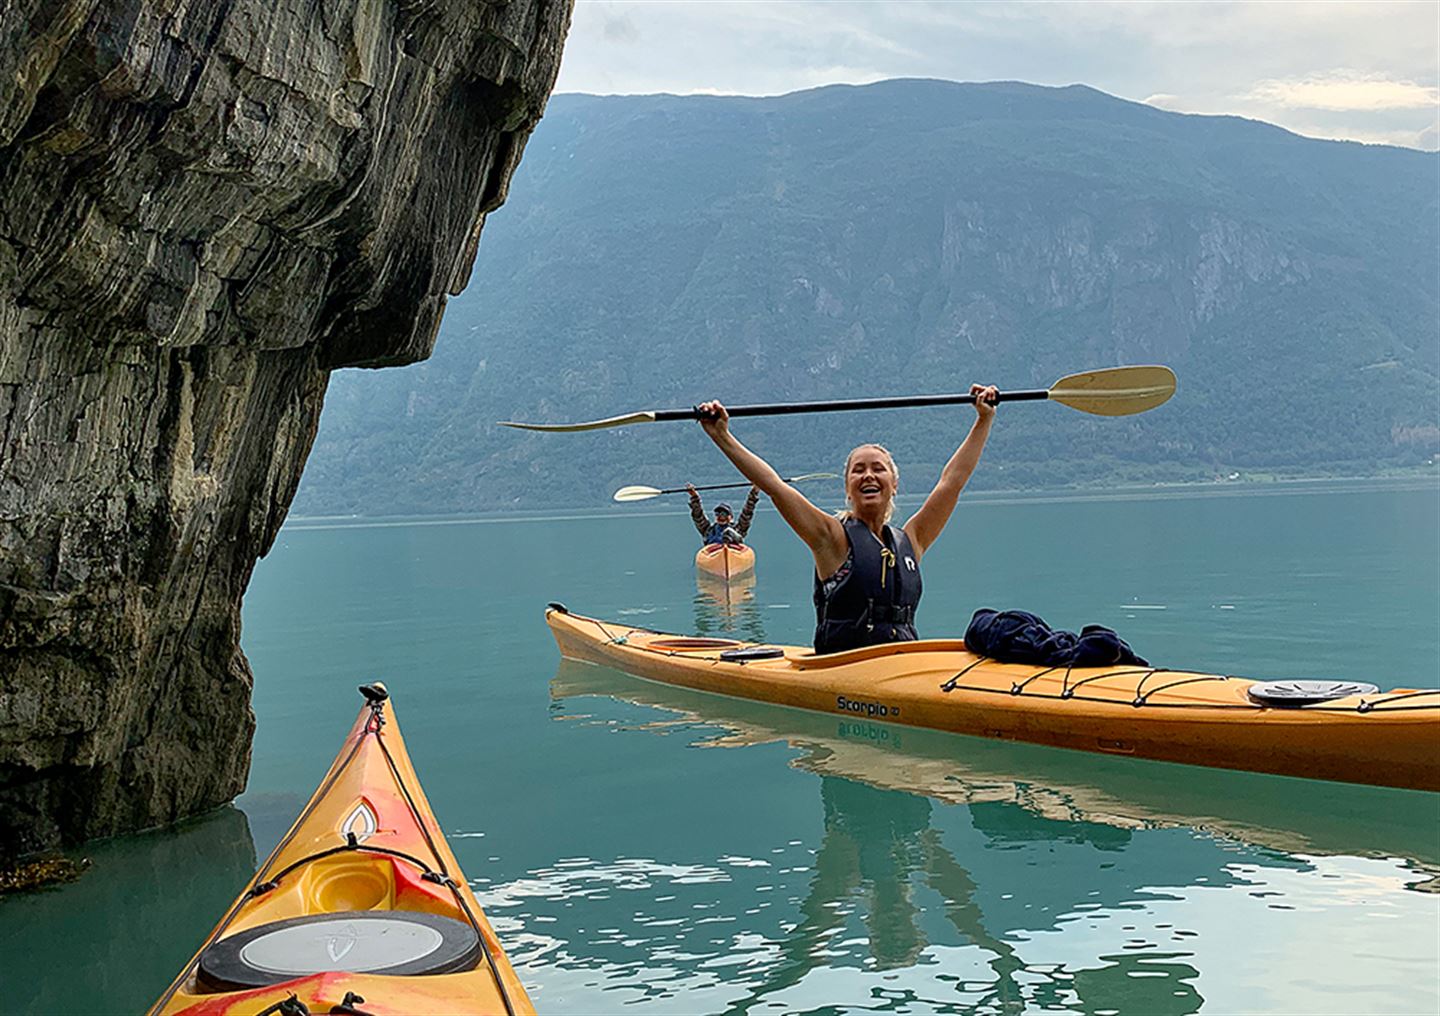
[675, 645]
[1382, 738]
[1364, 705]
[416, 937]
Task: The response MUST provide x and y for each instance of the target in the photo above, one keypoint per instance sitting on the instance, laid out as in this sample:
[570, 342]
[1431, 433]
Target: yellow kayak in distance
[361, 908]
[725, 561]
[1379, 738]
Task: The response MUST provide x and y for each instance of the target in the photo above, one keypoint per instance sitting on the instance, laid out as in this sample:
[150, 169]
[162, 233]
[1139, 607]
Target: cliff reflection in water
[128, 926]
[728, 609]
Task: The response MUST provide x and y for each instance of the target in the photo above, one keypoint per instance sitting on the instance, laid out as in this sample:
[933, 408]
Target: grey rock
[204, 209]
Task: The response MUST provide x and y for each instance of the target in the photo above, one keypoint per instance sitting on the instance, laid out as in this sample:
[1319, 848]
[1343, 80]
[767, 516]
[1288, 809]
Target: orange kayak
[362, 907]
[725, 561]
[1382, 738]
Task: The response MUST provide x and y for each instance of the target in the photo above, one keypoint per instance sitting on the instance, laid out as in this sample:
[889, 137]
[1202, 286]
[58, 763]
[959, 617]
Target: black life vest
[872, 598]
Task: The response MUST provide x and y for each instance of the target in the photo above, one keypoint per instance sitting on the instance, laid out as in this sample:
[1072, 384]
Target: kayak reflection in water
[727, 609]
[867, 572]
[723, 529]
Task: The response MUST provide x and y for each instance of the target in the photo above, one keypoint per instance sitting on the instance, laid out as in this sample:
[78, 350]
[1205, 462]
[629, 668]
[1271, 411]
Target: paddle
[639, 493]
[1114, 391]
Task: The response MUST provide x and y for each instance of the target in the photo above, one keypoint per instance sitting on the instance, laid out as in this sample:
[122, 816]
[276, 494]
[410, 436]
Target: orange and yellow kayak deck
[1387, 739]
[362, 899]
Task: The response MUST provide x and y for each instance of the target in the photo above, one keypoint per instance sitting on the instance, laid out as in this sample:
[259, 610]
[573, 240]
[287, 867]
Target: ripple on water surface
[832, 933]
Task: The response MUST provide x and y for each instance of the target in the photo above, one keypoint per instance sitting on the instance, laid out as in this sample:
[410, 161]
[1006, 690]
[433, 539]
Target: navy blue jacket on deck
[1017, 636]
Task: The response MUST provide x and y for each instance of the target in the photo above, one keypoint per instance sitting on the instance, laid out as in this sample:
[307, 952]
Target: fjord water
[649, 850]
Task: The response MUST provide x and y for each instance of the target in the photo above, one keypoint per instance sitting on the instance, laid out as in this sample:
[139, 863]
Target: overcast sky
[1363, 71]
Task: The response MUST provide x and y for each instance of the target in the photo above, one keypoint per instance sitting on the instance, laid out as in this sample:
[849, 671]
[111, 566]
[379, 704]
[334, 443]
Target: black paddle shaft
[898, 402]
[712, 486]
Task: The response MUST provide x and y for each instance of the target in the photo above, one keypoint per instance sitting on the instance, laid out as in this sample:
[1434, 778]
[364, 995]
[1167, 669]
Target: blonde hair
[847, 513]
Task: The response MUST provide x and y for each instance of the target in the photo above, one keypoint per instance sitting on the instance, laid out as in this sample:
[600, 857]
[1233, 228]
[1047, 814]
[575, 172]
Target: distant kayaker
[867, 572]
[723, 529]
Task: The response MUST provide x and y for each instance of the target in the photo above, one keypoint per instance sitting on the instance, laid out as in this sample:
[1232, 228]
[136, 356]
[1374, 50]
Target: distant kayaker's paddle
[638, 493]
[1114, 391]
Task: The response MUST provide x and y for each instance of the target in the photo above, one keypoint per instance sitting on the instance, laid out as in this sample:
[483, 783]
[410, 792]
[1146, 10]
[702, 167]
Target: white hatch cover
[396, 942]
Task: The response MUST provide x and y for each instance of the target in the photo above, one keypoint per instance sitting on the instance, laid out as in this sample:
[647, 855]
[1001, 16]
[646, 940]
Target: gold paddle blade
[612, 421]
[637, 493]
[1118, 391]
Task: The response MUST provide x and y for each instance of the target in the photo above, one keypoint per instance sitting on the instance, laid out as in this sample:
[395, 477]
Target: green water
[641, 849]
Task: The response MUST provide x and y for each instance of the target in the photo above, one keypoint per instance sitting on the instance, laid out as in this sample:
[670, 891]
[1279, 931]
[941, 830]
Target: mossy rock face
[39, 873]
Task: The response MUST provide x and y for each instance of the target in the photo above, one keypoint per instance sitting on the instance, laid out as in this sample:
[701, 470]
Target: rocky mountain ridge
[904, 237]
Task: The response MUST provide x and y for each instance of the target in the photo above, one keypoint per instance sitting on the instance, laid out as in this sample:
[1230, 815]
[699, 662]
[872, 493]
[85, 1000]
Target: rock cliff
[204, 209]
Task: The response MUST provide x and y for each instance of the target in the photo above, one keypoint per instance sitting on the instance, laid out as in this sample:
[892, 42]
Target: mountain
[904, 237]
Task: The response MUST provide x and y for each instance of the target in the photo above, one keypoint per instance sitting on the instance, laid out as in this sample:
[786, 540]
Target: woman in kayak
[867, 572]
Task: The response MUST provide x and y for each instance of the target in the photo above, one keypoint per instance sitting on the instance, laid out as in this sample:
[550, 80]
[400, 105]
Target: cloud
[1331, 69]
[1405, 126]
[1345, 92]
[1402, 138]
[619, 28]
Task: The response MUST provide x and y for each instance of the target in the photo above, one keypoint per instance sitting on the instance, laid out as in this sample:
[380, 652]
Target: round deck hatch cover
[752, 653]
[1305, 693]
[395, 942]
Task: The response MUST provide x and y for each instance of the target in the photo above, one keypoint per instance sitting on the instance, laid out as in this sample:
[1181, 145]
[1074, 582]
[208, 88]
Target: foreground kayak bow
[1361, 736]
[361, 908]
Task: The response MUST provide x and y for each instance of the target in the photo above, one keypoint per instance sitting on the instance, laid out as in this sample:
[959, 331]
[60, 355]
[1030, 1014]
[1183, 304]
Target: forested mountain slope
[912, 236]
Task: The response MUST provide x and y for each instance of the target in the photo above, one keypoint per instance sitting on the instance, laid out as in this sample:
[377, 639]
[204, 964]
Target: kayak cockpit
[691, 644]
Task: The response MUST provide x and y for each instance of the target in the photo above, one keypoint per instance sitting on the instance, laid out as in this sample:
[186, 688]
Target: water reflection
[1061, 882]
[883, 875]
[880, 850]
[128, 926]
[897, 870]
[875, 848]
[1279, 813]
[728, 609]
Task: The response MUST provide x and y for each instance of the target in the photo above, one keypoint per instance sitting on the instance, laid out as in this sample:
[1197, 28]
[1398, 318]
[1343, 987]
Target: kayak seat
[401, 943]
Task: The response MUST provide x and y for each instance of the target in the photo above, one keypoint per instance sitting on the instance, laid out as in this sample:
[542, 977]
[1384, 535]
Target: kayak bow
[725, 561]
[1382, 738]
[362, 907]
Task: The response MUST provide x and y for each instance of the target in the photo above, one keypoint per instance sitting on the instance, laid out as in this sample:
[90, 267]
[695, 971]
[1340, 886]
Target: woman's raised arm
[925, 525]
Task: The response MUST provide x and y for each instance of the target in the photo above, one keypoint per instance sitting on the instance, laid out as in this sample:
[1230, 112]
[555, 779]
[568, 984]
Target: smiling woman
[867, 572]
